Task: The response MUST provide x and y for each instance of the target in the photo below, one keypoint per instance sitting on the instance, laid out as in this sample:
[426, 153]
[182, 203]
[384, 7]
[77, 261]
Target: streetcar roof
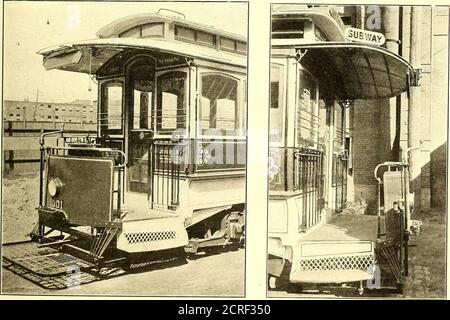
[327, 19]
[76, 57]
[354, 70]
[115, 28]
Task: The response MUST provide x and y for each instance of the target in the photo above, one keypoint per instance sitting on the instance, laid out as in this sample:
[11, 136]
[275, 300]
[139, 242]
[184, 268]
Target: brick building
[79, 111]
[420, 35]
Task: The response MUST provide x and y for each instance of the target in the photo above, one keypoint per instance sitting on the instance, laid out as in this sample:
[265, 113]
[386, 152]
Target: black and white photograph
[358, 151]
[234, 157]
[124, 148]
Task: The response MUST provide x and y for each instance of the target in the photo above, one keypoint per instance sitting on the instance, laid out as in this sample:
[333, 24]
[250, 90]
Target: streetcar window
[338, 126]
[111, 105]
[276, 103]
[220, 108]
[233, 45]
[187, 34]
[171, 101]
[142, 86]
[131, 33]
[307, 120]
[227, 44]
[287, 29]
[241, 47]
[152, 30]
[206, 38]
[144, 31]
[142, 100]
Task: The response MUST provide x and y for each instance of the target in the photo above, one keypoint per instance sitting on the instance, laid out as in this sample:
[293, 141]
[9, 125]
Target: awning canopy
[357, 71]
[92, 55]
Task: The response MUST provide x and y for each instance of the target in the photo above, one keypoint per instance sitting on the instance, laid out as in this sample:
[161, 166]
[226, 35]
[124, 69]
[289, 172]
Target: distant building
[79, 111]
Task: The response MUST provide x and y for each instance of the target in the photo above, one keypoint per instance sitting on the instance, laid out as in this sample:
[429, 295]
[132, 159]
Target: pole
[36, 105]
[414, 114]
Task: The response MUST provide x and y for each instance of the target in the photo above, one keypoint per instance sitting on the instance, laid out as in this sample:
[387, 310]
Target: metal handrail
[121, 165]
[170, 10]
[386, 164]
[43, 135]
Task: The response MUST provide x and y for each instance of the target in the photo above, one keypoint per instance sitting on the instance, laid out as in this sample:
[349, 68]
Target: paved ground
[219, 274]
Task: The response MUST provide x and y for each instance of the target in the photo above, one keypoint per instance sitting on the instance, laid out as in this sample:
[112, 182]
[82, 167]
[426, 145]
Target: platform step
[42, 261]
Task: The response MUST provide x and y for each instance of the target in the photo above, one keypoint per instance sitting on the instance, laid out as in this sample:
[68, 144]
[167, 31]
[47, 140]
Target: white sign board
[360, 35]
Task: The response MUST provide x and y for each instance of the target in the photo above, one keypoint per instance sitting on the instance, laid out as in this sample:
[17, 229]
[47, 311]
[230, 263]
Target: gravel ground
[214, 275]
[427, 260]
[427, 273]
[19, 199]
[210, 275]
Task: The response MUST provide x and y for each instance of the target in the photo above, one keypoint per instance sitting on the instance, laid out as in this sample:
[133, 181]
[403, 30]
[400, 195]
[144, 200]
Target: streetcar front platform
[343, 252]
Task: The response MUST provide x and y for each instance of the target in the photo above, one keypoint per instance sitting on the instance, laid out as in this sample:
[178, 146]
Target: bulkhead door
[139, 102]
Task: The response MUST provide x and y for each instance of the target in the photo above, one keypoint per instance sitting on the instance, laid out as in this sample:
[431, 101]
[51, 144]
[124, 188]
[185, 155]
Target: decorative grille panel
[143, 237]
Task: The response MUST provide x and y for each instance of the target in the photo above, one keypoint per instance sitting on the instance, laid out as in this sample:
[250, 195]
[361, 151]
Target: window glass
[142, 86]
[206, 38]
[144, 31]
[142, 101]
[287, 29]
[323, 123]
[227, 44]
[131, 33]
[111, 114]
[338, 126]
[219, 106]
[152, 30]
[241, 47]
[276, 103]
[307, 120]
[171, 111]
[185, 33]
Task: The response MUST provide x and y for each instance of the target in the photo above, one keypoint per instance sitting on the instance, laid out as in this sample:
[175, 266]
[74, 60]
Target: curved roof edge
[325, 18]
[118, 26]
[208, 54]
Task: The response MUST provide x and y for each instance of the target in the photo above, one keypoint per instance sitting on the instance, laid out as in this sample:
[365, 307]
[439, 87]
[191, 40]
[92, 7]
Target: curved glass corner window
[220, 109]
[171, 101]
[110, 116]
[307, 119]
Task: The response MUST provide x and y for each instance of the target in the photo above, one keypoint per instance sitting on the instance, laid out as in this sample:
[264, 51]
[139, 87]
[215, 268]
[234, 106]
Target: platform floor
[345, 227]
[137, 207]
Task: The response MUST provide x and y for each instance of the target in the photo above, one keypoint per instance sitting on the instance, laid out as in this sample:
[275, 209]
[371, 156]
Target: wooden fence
[21, 142]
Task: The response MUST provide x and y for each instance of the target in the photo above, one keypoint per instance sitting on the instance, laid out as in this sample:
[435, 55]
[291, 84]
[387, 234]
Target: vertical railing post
[152, 173]
[41, 169]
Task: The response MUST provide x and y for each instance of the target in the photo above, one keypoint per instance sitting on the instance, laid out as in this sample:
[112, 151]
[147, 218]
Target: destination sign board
[365, 36]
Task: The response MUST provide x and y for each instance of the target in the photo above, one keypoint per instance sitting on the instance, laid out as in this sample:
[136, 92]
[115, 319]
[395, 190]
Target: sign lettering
[360, 35]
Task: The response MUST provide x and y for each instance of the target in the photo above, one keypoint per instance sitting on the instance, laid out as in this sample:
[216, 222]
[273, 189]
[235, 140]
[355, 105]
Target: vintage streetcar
[165, 173]
[316, 76]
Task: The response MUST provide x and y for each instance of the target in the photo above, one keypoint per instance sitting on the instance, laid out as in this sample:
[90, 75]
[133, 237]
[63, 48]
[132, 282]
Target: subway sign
[365, 36]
